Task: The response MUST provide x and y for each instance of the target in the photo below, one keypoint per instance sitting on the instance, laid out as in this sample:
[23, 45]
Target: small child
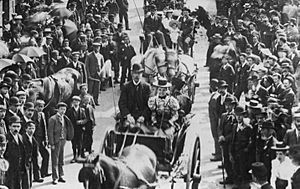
[174, 33]
[89, 126]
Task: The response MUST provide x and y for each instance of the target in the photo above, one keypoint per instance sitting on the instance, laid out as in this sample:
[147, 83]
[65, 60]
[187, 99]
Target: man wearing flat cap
[133, 101]
[78, 118]
[79, 66]
[94, 62]
[17, 173]
[60, 130]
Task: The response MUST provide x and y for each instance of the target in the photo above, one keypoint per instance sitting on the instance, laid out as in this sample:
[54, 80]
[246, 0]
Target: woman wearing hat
[282, 167]
[164, 109]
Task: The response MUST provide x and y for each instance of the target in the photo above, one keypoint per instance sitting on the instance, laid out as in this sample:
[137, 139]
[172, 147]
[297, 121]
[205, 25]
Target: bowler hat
[14, 119]
[267, 124]
[239, 110]
[8, 80]
[29, 106]
[223, 83]
[12, 75]
[259, 170]
[14, 101]
[162, 82]
[4, 84]
[137, 68]
[3, 139]
[61, 104]
[26, 77]
[230, 100]
[76, 98]
[280, 146]
[214, 82]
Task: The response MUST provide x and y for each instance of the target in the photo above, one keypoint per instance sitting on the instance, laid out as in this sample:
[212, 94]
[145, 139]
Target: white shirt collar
[136, 83]
[30, 137]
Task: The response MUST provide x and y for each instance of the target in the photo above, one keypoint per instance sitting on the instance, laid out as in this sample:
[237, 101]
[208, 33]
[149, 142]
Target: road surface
[108, 105]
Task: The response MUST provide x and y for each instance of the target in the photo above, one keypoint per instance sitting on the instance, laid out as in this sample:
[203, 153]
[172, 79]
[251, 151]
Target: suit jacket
[288, 99]
[296, 180]
[41, 127]
[127, 100]
[62, 63]
[15, 155]
[92, 66]
[75, 116]
[31, 149]
[80, 67]
[226, 126]
[290, 137]
[241, 139]
[262, 94]
[242, 75]
[152, 24]
[125, 54]
[295, 60]
[55, 129]
[186, 27]
[279, 89]
[47, 49]
[221, 107]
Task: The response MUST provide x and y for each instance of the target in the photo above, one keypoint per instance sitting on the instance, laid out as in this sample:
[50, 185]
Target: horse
[55, 88]
[135, 168]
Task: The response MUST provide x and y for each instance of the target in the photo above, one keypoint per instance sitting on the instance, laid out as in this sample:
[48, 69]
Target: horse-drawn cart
[168, 155]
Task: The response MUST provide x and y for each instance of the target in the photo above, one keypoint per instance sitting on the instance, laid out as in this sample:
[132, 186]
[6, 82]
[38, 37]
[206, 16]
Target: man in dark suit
[288, 96]
[222, 89]
[125, 55]
[123, 9]
[47, 48]
[242, 76]
[133, 102]
[259, 175]
[17, 174]
[225, 131]
[227, 73]
[78, 118]
[241, 142]
[294, 55]
[65, 58]
[257, 89]
[13, 109]
[186, 39]
[31, 149]
[278, 86]
[292, 136]
[79, 66]
[94, 62]
[41, 136]
[28, 113]
[60, 129]
[153, 28]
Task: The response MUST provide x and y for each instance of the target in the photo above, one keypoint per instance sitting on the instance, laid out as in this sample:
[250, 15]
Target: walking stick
[113, 91]
[223, 172]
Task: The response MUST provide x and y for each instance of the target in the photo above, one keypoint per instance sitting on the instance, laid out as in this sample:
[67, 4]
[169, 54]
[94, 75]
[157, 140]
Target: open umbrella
[70, 27]
[5, 62]
[32, 51]
[3, 49]
[21, 58]
[61, 12]
[38, 17]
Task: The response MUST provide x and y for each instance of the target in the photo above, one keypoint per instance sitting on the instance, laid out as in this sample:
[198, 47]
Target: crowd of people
[253, 59]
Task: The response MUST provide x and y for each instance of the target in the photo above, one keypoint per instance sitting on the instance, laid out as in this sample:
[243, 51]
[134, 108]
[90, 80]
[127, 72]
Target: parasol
[38, 17]
[21, 58]
[61, 12]
[32, 51]
[5, 62]
[70, 27]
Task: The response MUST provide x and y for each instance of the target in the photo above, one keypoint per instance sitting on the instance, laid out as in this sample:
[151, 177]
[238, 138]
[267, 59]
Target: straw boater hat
[280, 146]
[162, 83]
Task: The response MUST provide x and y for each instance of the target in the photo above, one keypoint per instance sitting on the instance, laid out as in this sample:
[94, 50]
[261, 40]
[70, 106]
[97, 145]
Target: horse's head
[160, 60]
[172, 62]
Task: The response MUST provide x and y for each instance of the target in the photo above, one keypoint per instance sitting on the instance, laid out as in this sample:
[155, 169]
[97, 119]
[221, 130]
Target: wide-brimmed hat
[280, 146]
[137, 68]
[162, 83]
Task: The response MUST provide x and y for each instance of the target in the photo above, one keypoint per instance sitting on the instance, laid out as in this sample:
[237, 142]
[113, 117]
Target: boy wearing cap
[17, 173]
[79, 66]
[31, 149]
[60, 129]
[78, 118]
[282, 167]
[41, 135]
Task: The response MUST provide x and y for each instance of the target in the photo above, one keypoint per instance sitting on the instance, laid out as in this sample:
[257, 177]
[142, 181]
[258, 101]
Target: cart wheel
[194, 167]
[108, 144]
